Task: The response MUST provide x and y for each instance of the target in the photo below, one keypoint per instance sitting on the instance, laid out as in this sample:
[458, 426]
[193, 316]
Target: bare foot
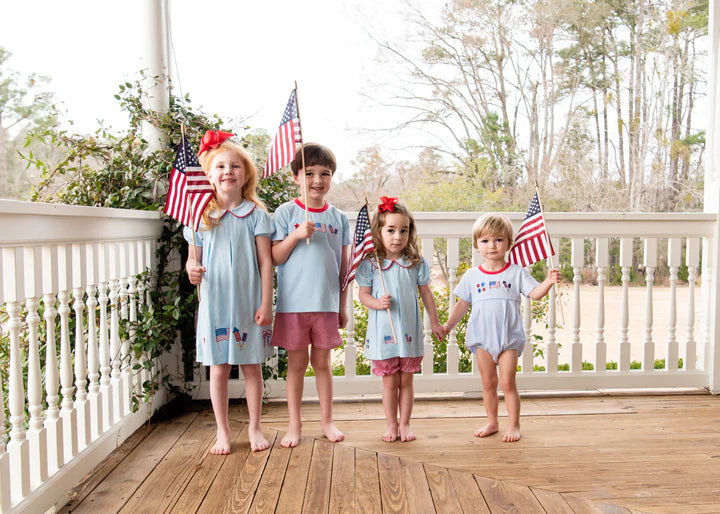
[487, 430]
[291, 437]
[512, 435]
[257, 441]
[406, 434]
[391, 433]
[332, 433]
[222, 444]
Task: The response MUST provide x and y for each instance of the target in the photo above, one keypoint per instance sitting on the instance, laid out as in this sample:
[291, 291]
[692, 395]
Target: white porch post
[154, 60]
[712, 204]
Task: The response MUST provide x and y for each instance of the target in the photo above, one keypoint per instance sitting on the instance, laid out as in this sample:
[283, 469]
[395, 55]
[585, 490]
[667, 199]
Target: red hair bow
[213, 139]
[387, 205]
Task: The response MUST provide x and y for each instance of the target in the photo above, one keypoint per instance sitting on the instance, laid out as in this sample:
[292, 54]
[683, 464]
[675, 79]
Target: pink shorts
[297, 330]
[390, 366]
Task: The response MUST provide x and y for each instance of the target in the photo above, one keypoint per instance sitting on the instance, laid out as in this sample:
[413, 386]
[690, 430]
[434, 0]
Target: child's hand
[446, 330]
[195, 273]
[438, 330]
[383, 302]
[304, 231]
[263, 316]
[554, 275]
[342, 317]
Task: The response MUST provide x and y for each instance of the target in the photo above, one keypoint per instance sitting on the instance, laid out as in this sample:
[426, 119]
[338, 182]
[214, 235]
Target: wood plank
[523, 498]
[417, 490]
[102, 470]
[583, 506]
[231, 466]
[317, 491]
[164, 486]
[123, 481]
[552, 501]
[497, 497]
[292, 494]
[200, 483]
[367, 482]
[342, 486]
[468, 492]
[268, 491]
[442, 490]
[392, 490]
[246, 482]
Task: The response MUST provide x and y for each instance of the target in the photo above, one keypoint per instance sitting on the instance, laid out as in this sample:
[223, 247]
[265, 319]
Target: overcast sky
[238, 59]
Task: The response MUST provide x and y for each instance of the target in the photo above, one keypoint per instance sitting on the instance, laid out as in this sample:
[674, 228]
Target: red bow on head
[213, 139]
[387, 205]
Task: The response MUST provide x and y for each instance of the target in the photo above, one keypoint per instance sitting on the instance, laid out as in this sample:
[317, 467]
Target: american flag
[531, 243]
[189, 191]
[288, 135]
[362, 245]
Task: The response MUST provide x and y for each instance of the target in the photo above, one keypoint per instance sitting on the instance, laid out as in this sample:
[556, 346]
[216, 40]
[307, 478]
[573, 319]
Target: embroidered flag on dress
[388, 340]
[189, 190]
[362, 245]
[288, 135]
[221, 334]
[531, 242]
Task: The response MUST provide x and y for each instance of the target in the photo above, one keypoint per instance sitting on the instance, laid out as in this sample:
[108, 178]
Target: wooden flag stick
[382, 282]
[192, 217]
[302, 158]
[546, 237]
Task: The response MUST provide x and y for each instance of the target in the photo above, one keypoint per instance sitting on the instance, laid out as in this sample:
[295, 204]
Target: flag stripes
[362, 245]
[288, 135]
[531, 242]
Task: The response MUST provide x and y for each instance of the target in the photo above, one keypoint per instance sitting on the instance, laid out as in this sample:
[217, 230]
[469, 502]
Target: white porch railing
[679, 235]
[56, 253]
[92, 255]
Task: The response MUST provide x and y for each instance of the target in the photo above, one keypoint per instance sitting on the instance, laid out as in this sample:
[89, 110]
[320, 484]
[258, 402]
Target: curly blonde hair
[249, 188]
[412, 252]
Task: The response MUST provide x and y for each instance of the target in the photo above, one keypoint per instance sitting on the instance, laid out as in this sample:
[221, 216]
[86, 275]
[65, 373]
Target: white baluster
[552, 349]
[4, 460]
[626, 255]
[601, 261]
[674, 260]
[18, 447]
[692, 259]
[67, 410]
[36, 432]
[150, 247]
[81, 405]
[53, 421]
[115, 375]
[577, 261]
[650, 263]
[453, 259]
[103, 342]
[93, 364]
[427, 366]
[134, 375]
[350, 349]
[126, 378]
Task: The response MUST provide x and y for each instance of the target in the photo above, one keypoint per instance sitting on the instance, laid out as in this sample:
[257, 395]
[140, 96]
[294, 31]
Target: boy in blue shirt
[310, 304]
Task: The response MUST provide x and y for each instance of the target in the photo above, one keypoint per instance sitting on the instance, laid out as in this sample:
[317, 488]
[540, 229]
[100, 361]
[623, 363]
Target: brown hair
[411, 250]
[249, 188]
[315, 154]
[492, 225]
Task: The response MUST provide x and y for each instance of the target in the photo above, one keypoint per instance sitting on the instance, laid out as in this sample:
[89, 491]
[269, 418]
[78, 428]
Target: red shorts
[390, 366]
[297, 330]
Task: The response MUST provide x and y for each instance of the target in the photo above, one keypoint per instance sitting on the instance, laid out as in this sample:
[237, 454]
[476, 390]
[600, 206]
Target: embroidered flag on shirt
[388, 339]
[189, 190]
[362, 245]
[288, 135]
[531, 242]
[221, 334]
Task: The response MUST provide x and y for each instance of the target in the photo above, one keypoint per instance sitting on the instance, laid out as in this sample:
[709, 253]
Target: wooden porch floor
[587, 454]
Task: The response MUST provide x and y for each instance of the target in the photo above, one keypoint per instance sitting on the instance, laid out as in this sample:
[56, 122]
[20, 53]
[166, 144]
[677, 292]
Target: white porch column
[712, 204]
[154, 60]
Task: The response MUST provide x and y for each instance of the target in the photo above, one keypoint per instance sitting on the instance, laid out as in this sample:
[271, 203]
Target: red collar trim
[402, 262]
[494, 272]
[311, 209]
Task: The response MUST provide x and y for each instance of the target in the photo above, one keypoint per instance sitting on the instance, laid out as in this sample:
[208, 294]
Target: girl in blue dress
[404, 273]
[231, 262]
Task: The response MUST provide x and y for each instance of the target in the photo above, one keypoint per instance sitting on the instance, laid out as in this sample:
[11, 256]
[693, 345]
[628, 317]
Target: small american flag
[531, 243]
[362, 245]
[221, 334]
[288, 135]
[189, 190]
